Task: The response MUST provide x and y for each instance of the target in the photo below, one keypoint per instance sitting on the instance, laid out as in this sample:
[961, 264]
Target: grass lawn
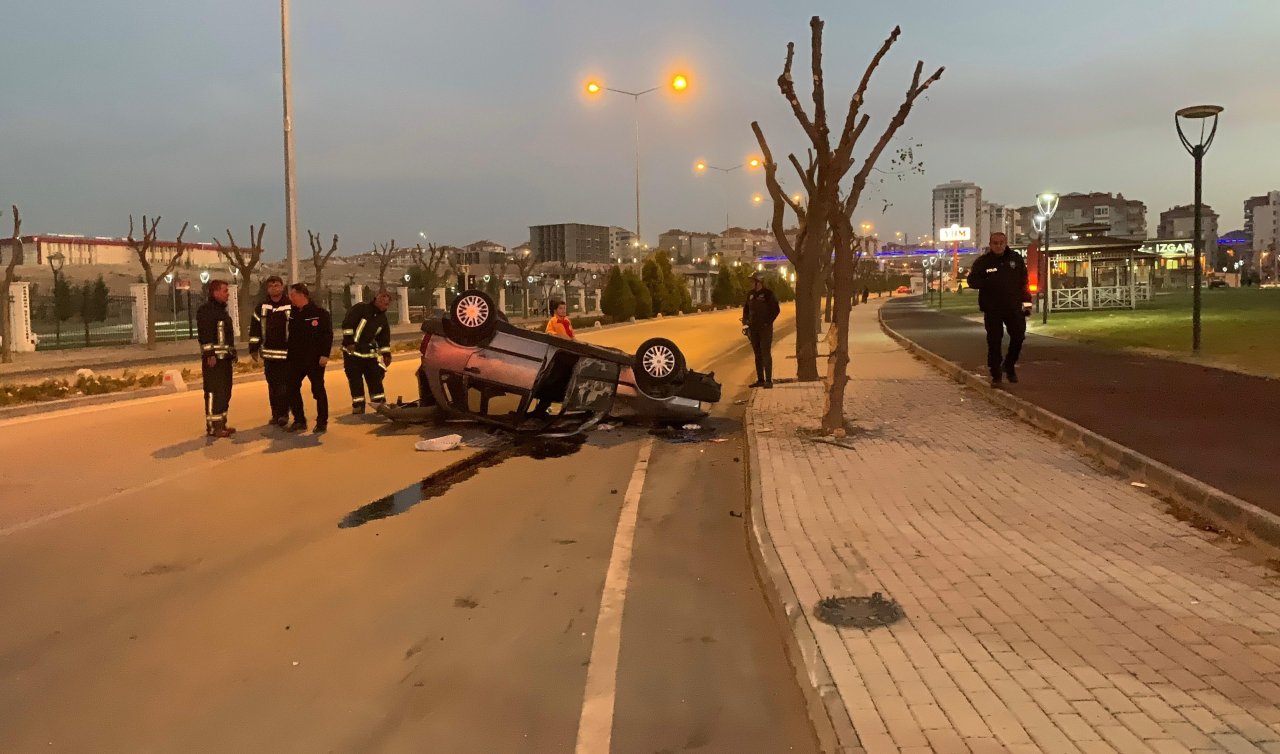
[1241, 326]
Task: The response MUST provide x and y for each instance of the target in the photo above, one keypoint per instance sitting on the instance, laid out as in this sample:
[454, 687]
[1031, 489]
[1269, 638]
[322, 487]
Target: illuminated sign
[1167, 248]
[954, 233]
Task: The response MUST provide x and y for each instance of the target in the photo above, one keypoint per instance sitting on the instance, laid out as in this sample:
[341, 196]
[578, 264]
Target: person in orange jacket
[559, 323]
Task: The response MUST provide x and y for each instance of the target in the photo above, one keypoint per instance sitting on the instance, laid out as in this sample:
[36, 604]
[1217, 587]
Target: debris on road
[740, 402]
[692, 426]
[445, 442]
[719, 439]
[735, 514]
[1137, 484]
[606, 427]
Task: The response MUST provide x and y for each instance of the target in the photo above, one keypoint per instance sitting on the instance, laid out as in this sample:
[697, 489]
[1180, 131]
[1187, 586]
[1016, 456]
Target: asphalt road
[165, 593]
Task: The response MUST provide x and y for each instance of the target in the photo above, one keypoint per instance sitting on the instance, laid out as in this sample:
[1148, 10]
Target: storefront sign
[1167, 248]
[955, 233]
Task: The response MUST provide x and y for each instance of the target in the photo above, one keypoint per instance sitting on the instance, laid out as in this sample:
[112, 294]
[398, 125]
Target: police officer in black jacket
[269, 337]
[758, 313]
[366, 349]
[1000, 277]
[310, 341]
[216, 335]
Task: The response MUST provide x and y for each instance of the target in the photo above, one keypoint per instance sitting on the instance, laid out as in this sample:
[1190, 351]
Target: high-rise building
[1266, 224]
[1249, 205]
[483, 253]
[997, 218]
[1124, 218]
[1180, 222]
[570, 243]
[960, 203]
[622, 243]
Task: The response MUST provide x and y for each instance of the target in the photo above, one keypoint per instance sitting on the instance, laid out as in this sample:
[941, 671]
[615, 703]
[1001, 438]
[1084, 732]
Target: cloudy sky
[468, 119]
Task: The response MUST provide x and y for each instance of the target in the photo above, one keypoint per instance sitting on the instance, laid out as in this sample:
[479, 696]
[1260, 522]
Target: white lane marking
[55, 515]
[595, 725]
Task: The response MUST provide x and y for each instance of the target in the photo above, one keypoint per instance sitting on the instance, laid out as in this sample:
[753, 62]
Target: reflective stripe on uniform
[379, 398]
[348, 332]
[359, 355]
[385, 349]
[359, 329]
[254, 339]
[357, 401]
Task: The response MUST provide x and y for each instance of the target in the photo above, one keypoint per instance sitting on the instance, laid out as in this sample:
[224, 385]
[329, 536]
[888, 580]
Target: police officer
[216, 336]
[1000, 277]
[269, 336]
[366, 349]
[758, 313]
[310, 341]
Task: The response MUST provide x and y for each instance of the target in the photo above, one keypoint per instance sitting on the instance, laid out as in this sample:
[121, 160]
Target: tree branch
[819, 90]
[788, 88]
[850, 136]
[780, 198]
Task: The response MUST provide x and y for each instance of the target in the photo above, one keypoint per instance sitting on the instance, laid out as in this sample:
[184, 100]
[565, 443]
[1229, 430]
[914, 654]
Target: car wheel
[659, 364]
[472, 318]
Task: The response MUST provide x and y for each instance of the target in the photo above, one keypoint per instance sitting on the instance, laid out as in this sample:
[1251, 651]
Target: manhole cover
[858, 612]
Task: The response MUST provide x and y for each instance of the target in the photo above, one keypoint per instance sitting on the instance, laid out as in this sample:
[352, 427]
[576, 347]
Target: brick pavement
[1049, 606]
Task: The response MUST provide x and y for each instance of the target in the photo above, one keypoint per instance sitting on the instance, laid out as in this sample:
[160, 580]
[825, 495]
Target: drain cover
[858, 612]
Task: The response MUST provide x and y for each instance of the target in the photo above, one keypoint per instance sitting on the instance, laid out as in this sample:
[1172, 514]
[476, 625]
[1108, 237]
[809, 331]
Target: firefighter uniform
[366, 351]
[216, 335]
[310, 339]
[269, 337]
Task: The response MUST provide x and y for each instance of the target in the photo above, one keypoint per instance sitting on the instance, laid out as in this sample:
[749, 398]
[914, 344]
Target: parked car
[476, 365]
[1217, 283]
[903, 289]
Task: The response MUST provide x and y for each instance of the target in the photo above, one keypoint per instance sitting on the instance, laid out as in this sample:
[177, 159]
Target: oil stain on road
[442, 481]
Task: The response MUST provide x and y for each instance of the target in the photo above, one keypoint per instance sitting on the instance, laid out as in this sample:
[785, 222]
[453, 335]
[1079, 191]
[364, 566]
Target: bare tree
[245, 260]
[144, 248]
[429, 261]
[385, 253]
[10, 275]
[320, 258]
[526, 265]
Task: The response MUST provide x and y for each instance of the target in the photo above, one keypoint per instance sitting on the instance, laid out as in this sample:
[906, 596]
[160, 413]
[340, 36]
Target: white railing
[1099, 297]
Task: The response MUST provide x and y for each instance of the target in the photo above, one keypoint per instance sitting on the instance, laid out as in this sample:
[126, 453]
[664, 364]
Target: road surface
[165, 593]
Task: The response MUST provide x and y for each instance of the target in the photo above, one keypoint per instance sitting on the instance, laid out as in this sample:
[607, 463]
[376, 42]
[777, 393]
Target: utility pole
[290, 182]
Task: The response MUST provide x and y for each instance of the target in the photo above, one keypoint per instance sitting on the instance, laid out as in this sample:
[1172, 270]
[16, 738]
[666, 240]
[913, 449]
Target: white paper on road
[445, 442]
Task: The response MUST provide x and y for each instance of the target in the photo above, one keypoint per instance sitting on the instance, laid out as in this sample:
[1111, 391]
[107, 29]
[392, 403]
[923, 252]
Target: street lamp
[1197, 151]
[701, 167]
[1047, 203]
[679, 83]
[290, 180]
[56, 261]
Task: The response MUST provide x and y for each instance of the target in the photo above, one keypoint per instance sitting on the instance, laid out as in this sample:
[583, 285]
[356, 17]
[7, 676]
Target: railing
[1099, 297]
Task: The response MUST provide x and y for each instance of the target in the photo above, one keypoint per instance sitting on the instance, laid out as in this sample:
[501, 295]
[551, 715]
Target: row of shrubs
[57, 389]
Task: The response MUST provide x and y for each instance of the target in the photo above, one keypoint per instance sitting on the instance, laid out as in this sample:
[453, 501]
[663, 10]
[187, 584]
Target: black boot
[995, 377]
[1011, 373]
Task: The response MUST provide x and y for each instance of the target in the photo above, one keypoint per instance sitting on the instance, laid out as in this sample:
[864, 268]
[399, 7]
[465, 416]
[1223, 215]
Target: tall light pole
[701, 166]
[290, 182]
[56, 262]
[1047, 203]
[679, 83]
[1197, 152]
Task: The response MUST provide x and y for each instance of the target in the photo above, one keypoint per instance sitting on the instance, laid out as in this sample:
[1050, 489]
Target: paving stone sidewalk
[1049, 605]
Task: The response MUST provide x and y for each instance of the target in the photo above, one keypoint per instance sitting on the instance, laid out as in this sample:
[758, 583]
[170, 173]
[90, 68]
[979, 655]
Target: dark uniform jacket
[760, 309]
[215, 331]
[310, 334]
[366, 332]
[1001, 281]
[269, 330]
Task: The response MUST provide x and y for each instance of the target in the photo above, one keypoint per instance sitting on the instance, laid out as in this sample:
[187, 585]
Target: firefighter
[366, 349]
[269, 338]
[310, 341]
[758, 313]
[1000, 277]
[216, 336]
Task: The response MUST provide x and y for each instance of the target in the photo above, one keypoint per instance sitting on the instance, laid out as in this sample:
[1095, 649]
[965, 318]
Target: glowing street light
[757, 199]
[702, 166]
[679, 83]
[1047, 203]
[1201, 113]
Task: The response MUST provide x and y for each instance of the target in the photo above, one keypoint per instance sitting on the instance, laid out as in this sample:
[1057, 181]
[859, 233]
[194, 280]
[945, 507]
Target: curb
[827, 713]
[1239, 517]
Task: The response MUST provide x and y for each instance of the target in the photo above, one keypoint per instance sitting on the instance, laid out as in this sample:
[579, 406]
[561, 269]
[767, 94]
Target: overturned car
[477, 365]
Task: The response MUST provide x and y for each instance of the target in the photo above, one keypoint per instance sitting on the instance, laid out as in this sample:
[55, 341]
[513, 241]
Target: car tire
[659, 365]
[472, 318]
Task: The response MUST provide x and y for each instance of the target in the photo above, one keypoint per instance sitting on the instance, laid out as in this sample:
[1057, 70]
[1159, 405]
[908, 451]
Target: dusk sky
[468, 120]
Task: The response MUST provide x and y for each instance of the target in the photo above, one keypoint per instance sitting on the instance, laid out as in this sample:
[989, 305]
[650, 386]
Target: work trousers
[277, 372]
[996, 323]
[314, 373]
[361, 370]
[761, 337]
[217, 391]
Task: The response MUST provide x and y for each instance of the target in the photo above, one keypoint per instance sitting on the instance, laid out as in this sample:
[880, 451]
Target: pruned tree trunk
[245, 260]
[144, 249]
[385, 253]
[6, 284]
[319, 259]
